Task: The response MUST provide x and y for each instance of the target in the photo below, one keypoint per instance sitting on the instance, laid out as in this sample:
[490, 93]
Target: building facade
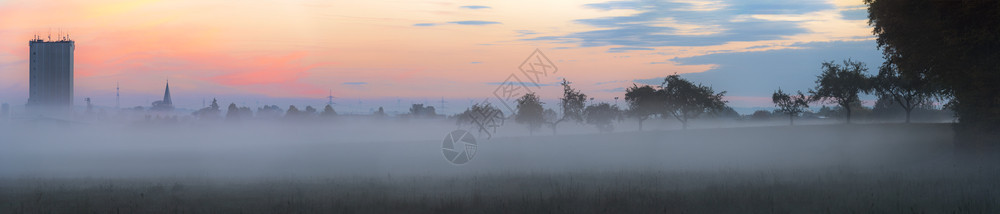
[51, 74]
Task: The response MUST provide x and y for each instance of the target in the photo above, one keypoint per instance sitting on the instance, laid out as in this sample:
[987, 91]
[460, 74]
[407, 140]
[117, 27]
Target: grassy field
[881, 168]
[725, 191]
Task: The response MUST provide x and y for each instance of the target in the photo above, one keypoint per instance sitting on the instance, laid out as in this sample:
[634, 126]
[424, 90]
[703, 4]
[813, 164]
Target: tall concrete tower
[51, 73]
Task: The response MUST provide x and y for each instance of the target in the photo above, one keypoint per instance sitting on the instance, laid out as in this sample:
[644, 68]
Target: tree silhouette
[233, 112]
[419, 110]
[956, 44]
[791, 105]
[571, 104]
[908, 89]
[724, 113]
[209, 113]
[840, 84]
[269, 111]
[549, 115]
[329, 112]
[292, 112]
[90, 107]
[644, 102]
[827, 112]
[309, 112]
[685, 100]
[483, 115]
[602, 115]
[245, 112]
[529, 111]
[760, 115]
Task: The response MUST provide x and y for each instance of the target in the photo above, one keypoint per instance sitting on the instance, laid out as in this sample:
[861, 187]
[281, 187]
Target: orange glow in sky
[304, 48]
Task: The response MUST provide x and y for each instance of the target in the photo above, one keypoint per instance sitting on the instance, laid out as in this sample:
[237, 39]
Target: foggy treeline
[926, 144]
[899, 99]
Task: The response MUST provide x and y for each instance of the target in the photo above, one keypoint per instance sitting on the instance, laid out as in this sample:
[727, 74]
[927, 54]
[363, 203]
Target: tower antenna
[118, 96]
[331, 98]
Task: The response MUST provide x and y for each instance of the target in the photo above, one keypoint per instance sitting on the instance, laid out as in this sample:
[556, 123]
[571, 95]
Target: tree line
[676, 97]
[840, 84]
[933, 51]
[238, 113]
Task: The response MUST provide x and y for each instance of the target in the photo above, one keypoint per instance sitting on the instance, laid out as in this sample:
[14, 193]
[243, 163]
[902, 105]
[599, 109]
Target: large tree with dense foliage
[909, 90]
[529, 112]
[602, 116]
[841, 84]
[685, 100]
[956, 44]
[484, 116]
[644, 102]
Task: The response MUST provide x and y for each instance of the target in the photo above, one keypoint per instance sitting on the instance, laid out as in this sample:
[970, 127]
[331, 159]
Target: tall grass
[931, 189]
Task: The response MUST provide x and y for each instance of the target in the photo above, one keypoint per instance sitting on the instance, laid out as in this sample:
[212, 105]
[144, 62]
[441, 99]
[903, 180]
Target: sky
[391, 52]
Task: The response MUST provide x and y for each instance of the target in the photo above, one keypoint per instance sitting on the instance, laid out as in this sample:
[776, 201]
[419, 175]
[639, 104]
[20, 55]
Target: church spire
[166, 104]
[166, 95]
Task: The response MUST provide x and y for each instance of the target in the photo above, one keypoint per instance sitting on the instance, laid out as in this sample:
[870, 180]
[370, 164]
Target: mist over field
[373, 148]
[352, 165]
[614, 106]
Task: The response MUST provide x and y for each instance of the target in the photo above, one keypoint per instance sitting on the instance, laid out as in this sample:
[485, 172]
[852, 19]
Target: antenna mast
[442, 105]
[331, 98]
[118, 96]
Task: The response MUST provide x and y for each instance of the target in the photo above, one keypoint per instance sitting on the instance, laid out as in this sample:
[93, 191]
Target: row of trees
[933, 50]
[841, 84]
[235, 113]
[529, 111]
[676, 98]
